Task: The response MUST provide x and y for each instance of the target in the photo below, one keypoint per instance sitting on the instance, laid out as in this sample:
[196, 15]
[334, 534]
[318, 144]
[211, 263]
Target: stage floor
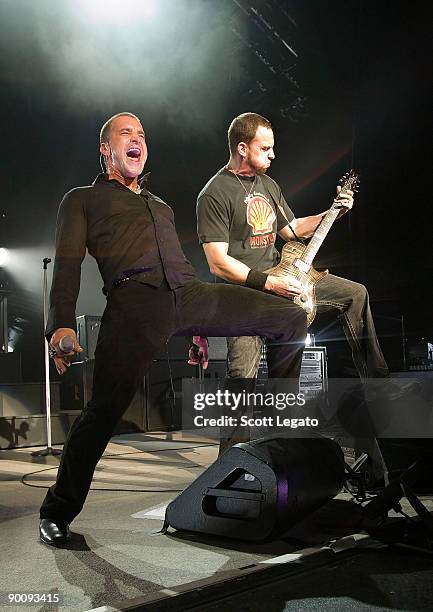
[116, 558]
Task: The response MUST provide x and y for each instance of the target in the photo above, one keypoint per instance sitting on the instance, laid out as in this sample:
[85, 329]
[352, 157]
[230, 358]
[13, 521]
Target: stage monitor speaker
[258, 490]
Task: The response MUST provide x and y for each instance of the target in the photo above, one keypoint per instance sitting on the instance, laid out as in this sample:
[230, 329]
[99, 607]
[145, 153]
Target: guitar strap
[270, 185]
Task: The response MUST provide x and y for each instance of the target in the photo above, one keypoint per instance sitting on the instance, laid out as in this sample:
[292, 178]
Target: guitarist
[239, 212]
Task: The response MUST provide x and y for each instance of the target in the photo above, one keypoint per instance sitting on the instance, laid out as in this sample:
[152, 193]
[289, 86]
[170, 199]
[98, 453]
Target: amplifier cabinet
[156, 406]
[314, 374]
[10, 368]
[31, 430]
[76, 391]
[313, 377]
[87, 335]
[164, 393]
[157, 403]
[217, 348]
[28, 398]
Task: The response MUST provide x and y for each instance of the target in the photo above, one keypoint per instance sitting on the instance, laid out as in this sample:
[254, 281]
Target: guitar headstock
[350, 181]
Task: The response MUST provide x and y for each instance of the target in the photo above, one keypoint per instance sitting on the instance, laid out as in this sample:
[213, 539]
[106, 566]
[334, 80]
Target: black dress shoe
[54, 533]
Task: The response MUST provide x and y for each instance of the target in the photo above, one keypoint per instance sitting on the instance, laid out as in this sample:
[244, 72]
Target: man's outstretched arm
[70, 252]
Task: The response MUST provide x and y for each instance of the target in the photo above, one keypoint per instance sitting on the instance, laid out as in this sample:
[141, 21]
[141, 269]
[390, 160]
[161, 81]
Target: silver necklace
[248, 195]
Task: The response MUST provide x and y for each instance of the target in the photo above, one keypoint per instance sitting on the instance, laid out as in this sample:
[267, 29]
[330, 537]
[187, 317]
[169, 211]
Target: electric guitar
[297, 258]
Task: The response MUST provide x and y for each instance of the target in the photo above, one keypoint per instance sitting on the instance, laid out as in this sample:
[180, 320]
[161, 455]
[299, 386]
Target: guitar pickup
[302, 265]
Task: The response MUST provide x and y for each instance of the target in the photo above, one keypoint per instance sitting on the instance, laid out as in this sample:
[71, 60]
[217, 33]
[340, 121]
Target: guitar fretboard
[320, 234]
[350, 181]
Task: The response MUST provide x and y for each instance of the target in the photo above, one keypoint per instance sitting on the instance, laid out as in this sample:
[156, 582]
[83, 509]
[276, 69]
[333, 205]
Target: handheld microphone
[66, 344]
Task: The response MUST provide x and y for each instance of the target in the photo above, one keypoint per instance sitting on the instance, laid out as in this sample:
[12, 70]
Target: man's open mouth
[133, 153]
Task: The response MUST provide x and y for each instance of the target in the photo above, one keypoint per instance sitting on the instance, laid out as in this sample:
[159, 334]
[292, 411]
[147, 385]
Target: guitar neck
[320, 234]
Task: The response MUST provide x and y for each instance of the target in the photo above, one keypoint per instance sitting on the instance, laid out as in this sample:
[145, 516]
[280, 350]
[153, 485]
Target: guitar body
[291, 253]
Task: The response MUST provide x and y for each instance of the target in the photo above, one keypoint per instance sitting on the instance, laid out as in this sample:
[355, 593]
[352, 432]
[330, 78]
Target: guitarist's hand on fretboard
[345, 200]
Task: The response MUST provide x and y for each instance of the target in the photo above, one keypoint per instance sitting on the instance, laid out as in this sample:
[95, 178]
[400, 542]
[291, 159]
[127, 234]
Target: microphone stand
[48, 450]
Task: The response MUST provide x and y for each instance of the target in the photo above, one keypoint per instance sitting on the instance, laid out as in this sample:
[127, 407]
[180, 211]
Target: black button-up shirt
[127, 233]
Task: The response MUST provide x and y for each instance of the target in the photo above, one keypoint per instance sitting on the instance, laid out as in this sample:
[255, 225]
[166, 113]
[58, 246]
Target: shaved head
[104, 134]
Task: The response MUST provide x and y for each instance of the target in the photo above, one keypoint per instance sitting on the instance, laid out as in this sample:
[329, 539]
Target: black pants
[137, 321]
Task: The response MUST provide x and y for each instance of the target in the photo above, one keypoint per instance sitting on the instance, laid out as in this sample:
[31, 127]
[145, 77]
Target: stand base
[47, 451]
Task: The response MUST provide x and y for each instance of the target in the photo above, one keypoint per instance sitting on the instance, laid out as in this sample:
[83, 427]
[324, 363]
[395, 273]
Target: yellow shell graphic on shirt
[260, 215]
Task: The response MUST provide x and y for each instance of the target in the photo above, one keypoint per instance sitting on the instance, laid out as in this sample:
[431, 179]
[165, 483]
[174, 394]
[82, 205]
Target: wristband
[256, 280]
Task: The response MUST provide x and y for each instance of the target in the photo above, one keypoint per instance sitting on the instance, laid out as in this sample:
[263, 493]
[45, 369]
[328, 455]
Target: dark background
[355, 95]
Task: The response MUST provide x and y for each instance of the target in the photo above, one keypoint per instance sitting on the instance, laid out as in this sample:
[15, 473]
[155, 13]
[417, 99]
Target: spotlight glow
[118, 12]
[310, 340]
[4, 257]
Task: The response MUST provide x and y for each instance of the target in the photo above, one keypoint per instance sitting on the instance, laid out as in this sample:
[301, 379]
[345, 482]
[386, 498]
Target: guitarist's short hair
[243, 129]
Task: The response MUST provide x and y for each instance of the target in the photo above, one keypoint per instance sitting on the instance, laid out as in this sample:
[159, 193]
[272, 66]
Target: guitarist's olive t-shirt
[248, 228]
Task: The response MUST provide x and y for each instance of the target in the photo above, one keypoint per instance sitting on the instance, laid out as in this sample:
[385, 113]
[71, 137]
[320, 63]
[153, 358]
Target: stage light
[310, 340]
[118, 11]
[4, 257]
